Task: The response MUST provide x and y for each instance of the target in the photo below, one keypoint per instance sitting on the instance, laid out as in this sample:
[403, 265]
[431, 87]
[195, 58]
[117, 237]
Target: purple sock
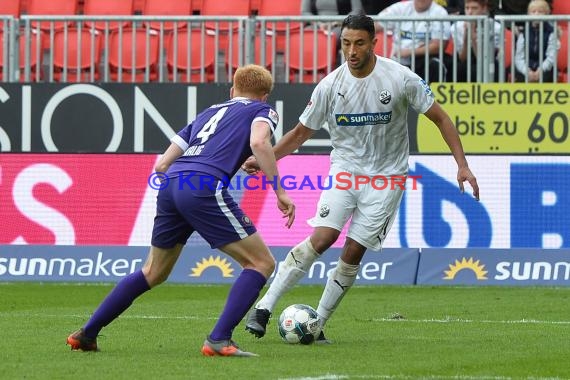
[120, 298]
[242, 295]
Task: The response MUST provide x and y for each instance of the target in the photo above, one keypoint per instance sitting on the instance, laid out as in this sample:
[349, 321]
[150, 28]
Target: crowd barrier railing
[208, 49]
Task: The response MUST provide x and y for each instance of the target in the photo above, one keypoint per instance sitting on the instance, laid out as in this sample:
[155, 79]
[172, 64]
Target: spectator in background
[454, 7]
[373, 7]
[513, 7]
[534, 67]
[331, 8]
[466, 37]
[413, 42]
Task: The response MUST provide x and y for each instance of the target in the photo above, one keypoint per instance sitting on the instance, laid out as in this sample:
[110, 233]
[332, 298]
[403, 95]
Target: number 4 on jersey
[210, 127]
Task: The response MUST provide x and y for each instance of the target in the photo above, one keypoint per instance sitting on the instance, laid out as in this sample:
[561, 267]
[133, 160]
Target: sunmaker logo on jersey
[361, 119]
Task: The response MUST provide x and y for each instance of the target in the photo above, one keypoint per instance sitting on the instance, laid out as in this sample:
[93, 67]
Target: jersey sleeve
[268, 115]
[315, 114]
[181, 138]
[419, 94]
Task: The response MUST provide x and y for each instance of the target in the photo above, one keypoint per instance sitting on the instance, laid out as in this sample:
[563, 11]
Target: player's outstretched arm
[260, 142]
[449, 133]
[285, 146]
[292, 140]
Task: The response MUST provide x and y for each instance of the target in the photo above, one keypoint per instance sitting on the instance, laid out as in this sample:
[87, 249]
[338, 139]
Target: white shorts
[373, 206]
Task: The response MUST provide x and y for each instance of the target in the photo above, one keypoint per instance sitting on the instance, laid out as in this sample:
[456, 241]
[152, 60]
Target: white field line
[404, 377]
[387, 320]
[125, 316]
[461, 320]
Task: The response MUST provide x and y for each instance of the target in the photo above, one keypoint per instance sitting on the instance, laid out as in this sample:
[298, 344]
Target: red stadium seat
[2, 55]
[224, 8]
[167, 8]
[309, 55]
[108, 8]
[137, 58]
[232, 57]
[51, 8]
[77, 52]
[35, 47]
[138, 6]
[561, 7]
[10, 8]
[508, 51]
[281, 8]
[384, 44]
[188, 51]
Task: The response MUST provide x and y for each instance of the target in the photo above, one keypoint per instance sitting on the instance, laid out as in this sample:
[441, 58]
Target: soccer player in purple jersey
[204, 154]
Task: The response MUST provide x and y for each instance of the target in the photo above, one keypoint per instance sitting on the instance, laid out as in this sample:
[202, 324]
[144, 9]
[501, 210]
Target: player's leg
[224, 225]
[334, 209]
[296, 264]
[258, 264]
[156, 269]
[370, 224]
[170, 233]
[341, 279]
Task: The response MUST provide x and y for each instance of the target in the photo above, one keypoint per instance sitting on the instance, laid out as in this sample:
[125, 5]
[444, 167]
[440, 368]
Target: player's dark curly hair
[359, 22]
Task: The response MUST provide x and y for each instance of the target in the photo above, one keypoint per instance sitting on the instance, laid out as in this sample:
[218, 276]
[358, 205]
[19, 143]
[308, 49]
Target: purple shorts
[185, 207]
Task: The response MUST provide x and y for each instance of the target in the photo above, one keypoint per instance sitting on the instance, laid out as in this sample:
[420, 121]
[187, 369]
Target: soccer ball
[299, 324]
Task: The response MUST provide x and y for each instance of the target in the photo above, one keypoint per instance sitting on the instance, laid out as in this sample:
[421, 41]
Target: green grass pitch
[378, 333]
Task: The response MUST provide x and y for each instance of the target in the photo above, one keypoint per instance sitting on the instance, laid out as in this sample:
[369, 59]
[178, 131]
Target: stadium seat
[137, 58]
[562, 60]
[1, 55]
[508, 51]
[108, 8]
[561, 7]
[279, 29]
[309, 55]
[9, 8]
[167, 8]
[51, 8]
[224, 8]
[281, 8]
[138, 7]
[188, 51]
[77, 52]
[232, 57]
[384, 44]
[35, 45]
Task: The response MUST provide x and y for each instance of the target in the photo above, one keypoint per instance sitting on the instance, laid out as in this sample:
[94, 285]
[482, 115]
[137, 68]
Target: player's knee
[267, 265]
[323, 240]
[153, 277]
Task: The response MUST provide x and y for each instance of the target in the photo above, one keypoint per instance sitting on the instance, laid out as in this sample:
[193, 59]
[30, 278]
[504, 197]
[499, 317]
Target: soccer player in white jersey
[365, 103]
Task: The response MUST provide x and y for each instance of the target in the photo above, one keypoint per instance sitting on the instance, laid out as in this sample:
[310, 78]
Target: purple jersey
[217, 142]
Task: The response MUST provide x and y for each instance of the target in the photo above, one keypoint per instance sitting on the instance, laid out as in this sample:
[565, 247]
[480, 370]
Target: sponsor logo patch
[361, 119]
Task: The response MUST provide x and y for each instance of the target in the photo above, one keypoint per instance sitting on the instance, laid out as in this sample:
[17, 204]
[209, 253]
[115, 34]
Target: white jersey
[412, 34]
[367, 117]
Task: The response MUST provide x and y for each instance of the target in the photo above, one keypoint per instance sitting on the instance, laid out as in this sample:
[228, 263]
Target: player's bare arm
[292, 141]
[285, 146]
[167, 158]
[449, 133]
[260, 142]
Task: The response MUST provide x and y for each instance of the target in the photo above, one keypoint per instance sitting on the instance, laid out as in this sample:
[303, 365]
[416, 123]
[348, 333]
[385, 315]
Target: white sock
[338, 284]
[296, 264]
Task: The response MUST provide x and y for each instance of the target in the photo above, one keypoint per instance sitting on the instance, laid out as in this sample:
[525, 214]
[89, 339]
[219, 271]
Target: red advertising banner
[69, 199]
